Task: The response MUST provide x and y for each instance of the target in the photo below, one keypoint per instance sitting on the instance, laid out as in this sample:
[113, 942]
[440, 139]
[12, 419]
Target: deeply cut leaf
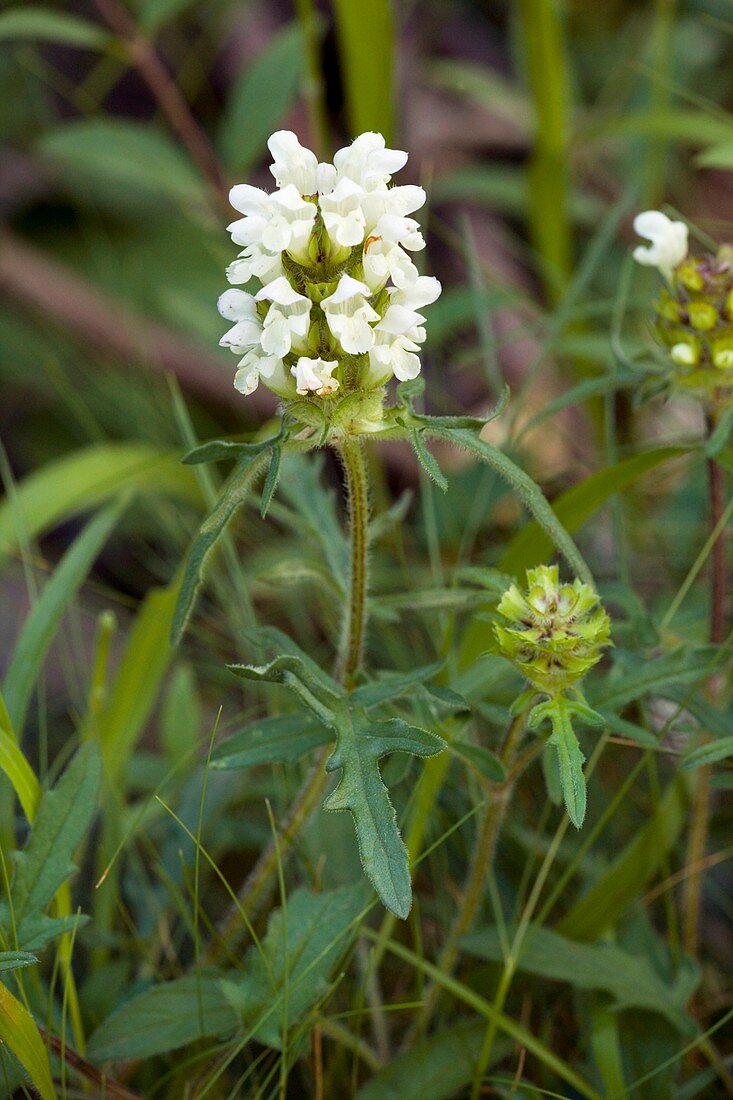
[360, 745]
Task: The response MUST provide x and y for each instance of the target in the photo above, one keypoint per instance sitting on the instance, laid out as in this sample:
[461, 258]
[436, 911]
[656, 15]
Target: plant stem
[353, 633]
[255, 888]
[481, 858]
[700, 810]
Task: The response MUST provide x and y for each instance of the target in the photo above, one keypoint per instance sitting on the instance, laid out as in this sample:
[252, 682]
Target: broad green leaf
[360, 744]
[62, 820]
[16, 960]
[439, 1067]
[527, 490]
[284, 975]
[366, 36]
[138, 680]
[219, 450]
[37, 24]
[236, 491]
[180, 718]
[259, 99]
[572, 781]
[629, 874]
[710, 753]
[164, 1017]
[290, 970]
[18, 1031]
[80, 481]
[629, 979]
[282, 739]
[533, 546]
[487, 762]
[41, 625]
[121, 153]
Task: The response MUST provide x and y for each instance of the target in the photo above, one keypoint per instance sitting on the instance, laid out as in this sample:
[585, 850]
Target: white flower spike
[668, 246]
[331, 301]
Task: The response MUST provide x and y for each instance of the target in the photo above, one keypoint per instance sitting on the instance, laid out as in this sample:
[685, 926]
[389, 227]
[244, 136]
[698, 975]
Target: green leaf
[16, 960]
[533, 546]
[366, 36]
[18, 1031]
[83, 479]
[710, 753]
[428, 461]
[273, 475]
[282, 739]
[63, 818]
[218, 450]
[625, 879]
[120, 153]
[487, 762]
[289, 971]
[294, 673]
[360, 745]
[41, 625]
[386, 685]
[165, 1017]
[439, 1067]
[629, 979]
[528, 492]
[22, 777]
[138, 680]
[23, 24]
[569, 757]
[236, 492]
[632, 678]
[260, 97]
[281, 978]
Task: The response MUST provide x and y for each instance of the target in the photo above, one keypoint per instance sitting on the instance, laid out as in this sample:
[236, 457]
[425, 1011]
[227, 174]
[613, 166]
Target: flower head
[668, 246]
[554, 633]
[336, 304]
[694, 322]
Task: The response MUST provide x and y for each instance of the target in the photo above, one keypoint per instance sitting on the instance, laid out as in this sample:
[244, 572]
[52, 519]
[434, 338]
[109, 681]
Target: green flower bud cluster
[554, 633]
[695, 323]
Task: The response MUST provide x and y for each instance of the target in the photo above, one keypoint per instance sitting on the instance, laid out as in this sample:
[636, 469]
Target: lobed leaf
[360, 745]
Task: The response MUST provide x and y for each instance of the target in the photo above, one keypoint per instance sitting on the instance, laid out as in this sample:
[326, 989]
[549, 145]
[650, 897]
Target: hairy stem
[700, 810]
[481, 859]
[353, 633]
[255, 889]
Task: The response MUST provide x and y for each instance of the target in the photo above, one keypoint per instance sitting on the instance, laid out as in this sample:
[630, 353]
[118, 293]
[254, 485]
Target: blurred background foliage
[538, 128]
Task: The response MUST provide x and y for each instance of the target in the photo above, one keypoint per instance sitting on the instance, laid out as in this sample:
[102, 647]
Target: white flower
[253, 366]
[383, 261]
[343, 215]
[255, 263]
[668, 241]
[389, 203]
[288, 318]
[393, 355]
[314, 376]
[280, 222]
[237, 306]
[296, 165]
[349, 315]
[367, 162]
[423, 291]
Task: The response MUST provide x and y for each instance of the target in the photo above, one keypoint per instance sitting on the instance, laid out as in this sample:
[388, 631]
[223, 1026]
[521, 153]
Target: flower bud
[554, 633]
